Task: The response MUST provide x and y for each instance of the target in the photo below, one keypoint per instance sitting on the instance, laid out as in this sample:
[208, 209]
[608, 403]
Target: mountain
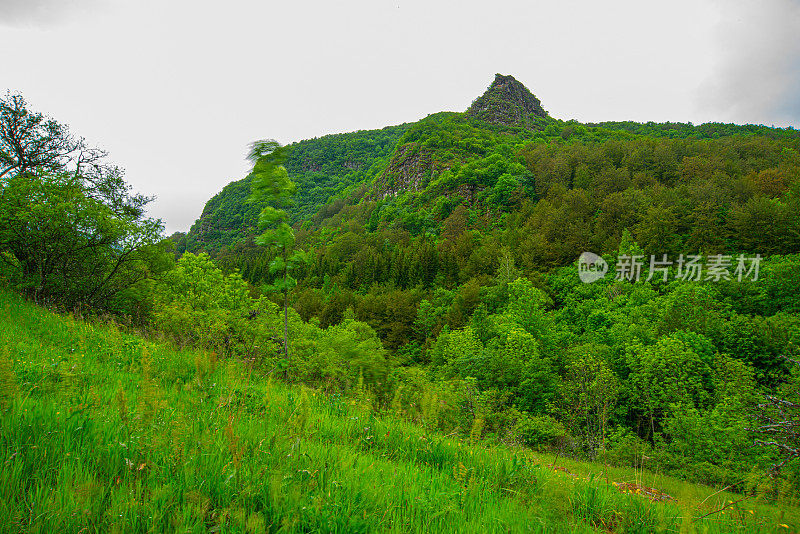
[503, 149]
[442, 299]
[385, 162]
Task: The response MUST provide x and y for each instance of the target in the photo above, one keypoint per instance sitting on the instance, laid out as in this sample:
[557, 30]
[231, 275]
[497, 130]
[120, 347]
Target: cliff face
[507, 102]
[409, 170]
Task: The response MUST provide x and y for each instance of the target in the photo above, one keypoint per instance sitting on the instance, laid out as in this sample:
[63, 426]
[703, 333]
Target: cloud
[757, 73]
[42, 13]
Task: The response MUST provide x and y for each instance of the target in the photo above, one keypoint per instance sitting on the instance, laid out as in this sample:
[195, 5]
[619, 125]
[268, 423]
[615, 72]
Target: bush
[624, 448]
[540, 432]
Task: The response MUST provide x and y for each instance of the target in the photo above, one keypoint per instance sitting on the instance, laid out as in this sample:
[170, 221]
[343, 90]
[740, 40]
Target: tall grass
[102, 431]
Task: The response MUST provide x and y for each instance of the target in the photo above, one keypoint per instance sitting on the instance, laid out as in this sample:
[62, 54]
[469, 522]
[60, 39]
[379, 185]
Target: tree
[588, 395]
[778, 421]
[197, 303]
[427, 317]
[71, 231]
[271, 184]
[457, 353]
[658, 230]
[526, 307]
[667, 374]
[507, 192]
[32, 142]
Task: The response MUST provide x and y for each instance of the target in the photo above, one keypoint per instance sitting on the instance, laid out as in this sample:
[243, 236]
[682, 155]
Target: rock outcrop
[409, 170]
[507, 102]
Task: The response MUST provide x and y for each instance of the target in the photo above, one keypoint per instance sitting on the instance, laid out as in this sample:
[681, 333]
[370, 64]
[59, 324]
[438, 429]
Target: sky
[175, 90]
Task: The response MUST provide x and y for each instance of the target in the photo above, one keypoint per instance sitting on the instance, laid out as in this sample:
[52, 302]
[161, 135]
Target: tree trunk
[286, 321]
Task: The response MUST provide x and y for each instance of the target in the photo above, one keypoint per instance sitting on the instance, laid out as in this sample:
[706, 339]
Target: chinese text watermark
[690, 267]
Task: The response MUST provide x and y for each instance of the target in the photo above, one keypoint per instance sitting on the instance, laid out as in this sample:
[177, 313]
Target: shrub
[540, 432]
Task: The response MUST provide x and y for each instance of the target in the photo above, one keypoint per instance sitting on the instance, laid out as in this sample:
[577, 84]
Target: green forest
[390, 330]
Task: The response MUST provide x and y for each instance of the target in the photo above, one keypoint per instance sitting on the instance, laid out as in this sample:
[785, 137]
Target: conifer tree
[271, 184]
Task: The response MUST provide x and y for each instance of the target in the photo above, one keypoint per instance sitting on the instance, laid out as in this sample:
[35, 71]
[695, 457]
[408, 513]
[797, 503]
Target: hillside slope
[102, 431]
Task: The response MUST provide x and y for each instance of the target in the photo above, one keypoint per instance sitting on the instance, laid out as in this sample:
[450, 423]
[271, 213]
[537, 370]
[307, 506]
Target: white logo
[591, 267]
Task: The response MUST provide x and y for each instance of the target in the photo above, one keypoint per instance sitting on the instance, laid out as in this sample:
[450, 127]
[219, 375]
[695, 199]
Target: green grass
[102, 431]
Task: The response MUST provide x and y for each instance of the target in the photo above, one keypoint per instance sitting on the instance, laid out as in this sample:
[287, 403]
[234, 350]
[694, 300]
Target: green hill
[323, 168]
[104, 431]
[503, 150]
[457, 192]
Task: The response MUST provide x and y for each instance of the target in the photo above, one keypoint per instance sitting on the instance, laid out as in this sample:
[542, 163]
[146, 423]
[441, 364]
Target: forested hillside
[460, 251]
[323, 168]
[413, 176]
[618, 293]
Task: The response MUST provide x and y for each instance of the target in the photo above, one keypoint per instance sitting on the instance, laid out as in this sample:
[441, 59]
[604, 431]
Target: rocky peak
[507, 102]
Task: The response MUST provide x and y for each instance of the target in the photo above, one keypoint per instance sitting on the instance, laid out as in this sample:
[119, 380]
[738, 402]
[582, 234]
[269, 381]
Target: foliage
[441, 287]
[272, 186]
[198, 305]
[71, 231]
[778, 421]
[540, 432]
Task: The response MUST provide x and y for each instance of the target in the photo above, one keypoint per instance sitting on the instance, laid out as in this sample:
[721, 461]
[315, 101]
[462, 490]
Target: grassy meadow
[105, 431]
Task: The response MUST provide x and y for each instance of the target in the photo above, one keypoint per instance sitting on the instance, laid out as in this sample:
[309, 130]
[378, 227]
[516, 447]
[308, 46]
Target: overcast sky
[176, 89]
